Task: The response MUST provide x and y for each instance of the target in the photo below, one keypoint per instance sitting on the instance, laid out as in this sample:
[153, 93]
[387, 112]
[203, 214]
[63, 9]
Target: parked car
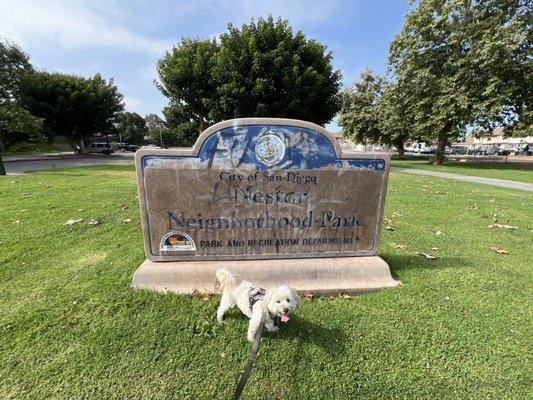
[151, 146]
[102, 148]
[524, 150]
[485, 149]
[129, 147]
[421, 148]
[457, 149]
[502, 151]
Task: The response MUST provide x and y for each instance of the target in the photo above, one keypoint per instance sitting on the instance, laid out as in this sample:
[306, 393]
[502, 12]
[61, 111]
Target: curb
[45, 158]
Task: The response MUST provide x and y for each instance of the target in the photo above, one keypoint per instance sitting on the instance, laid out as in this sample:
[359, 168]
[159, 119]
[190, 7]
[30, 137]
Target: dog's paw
[220, 321]
[251, 338]
[273, 328]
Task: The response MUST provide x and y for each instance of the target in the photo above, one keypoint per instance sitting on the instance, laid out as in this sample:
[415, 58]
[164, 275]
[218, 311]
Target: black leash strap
[251, 360]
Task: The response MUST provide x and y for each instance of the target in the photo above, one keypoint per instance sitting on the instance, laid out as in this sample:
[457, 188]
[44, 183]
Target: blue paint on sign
[280, 147]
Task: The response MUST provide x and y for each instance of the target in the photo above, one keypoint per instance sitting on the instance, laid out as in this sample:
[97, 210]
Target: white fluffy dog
[255, 302]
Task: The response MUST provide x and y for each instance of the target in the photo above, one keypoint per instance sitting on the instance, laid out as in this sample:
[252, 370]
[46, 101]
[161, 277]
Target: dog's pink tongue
[284, 317]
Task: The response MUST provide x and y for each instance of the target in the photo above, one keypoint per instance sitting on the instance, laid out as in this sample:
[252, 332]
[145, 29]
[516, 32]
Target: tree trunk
[2, 168]
[401, 151]
[441, 147]
[83, 148]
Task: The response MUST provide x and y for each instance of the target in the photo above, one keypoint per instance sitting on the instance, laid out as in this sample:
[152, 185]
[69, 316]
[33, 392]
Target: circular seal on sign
[270, 149]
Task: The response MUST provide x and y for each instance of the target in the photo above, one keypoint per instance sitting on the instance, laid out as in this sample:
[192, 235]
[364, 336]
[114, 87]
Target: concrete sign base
[349, 275]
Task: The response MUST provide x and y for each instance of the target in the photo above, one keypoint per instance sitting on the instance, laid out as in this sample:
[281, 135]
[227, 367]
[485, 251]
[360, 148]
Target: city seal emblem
[270, 149]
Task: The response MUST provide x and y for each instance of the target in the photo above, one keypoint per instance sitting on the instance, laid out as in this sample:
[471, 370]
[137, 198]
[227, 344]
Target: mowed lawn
[71, 328]
[522, 172]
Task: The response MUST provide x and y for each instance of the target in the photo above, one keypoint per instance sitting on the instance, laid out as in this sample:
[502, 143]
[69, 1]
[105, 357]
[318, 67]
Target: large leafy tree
[394, 122]
[185, 130]
[158, 131]
[71, 105]
[499, 34]
[465, 62]
[374, 111]
[262, 69]
[131, 127]
[15, 121]
[187, 78]
[154, 121]
[358, 117]
[266, 70]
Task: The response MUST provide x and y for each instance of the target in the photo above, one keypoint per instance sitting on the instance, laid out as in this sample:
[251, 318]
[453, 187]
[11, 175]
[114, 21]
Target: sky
[123, 39]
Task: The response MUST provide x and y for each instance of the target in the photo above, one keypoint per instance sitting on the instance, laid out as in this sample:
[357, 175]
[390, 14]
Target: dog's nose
[285, 310]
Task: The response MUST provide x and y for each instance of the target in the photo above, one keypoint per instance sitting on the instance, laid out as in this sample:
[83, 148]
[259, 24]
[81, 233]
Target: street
[21, 164]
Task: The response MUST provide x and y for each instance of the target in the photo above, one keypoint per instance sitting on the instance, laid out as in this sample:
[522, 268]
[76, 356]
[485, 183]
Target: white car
[151, 146]
[99, 147]
[420, 148]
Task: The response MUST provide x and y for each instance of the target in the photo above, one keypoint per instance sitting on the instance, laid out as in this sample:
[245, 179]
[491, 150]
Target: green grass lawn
[71, 328]
[30, 148]
[499, 170]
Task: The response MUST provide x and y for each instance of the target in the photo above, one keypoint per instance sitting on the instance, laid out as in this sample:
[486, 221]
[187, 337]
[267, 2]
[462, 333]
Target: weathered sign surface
[261, 188]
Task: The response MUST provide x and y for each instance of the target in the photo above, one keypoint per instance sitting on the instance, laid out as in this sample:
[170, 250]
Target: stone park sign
[252, 190]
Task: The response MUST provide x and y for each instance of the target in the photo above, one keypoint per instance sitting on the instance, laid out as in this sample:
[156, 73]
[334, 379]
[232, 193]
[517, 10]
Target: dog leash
[251, 360]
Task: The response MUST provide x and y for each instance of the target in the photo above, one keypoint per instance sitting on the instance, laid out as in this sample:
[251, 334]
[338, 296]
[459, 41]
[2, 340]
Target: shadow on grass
[302, 331]
[331, 340]
[304, 336]
[404, 262]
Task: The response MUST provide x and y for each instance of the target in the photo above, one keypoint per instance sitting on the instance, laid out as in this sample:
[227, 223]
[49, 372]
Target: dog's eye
[288, 300]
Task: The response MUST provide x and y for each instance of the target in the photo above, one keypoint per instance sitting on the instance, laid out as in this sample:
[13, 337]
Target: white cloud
[68, 24]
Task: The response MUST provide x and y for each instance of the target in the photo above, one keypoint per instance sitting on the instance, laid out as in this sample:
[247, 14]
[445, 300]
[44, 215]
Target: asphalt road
[14, 166]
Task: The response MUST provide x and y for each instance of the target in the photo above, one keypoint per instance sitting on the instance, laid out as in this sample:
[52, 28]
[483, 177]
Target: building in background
[497, 142]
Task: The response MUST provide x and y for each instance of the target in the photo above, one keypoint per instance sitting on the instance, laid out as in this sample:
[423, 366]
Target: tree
[463, 62]
[14, 64]
[15, 121]
[154, 121]
[175, 115]
[18, 125]
[185, 130]
[158, 130]
[187, 79]
[501, 41]
[393, 119]
[265, 70]
[131, 127]
[71, 105]
[374, 111]
[186, 134]
[358, 117]
[262, 69]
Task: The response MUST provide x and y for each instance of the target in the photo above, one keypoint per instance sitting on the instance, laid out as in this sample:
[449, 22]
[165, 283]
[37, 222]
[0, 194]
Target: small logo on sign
[177, 241]
[270, 149]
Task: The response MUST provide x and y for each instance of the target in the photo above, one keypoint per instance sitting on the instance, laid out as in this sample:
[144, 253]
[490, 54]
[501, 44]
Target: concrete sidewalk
[467, 178]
